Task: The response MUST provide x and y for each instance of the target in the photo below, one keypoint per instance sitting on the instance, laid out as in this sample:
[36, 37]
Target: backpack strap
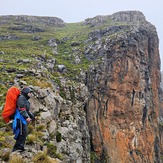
[21, 109]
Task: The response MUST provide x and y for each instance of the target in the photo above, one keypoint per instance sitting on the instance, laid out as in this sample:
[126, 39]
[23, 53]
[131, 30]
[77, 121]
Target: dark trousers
[20, 141]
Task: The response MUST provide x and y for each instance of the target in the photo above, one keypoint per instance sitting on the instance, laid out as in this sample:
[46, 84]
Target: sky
[79, 10]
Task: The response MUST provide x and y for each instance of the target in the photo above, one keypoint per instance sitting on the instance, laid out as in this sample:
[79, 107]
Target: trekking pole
[36, 136]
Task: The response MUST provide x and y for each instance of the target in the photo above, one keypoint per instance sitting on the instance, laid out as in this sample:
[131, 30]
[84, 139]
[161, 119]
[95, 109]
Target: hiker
[21, 118]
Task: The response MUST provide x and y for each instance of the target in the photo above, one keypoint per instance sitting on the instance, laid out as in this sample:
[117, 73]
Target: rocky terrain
[97, 93]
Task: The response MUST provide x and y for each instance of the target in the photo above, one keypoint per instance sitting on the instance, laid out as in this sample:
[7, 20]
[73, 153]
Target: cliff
[96, 83]
[123, 107]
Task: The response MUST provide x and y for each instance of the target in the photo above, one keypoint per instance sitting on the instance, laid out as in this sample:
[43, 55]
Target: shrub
[58, 136]
[93, 156]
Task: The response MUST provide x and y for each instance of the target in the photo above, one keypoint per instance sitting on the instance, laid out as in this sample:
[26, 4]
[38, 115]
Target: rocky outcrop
[129, 17]
[96, 21]
[27, 29]
[38, 20]
[9, 37]
[124, 104]
[64, 117]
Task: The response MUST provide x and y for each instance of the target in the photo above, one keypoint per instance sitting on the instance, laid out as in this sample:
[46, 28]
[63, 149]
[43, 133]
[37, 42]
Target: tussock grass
[30, 128]
[16, 158]
[52, 151]
[42, 157]
[41, 127]
[31, 139]
[5, 156]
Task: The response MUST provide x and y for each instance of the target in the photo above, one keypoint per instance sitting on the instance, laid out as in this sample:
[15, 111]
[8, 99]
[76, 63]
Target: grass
[6, 136]
[40, 127]
[2, 123]
[31, 139]
[26, 48]
[52, 152]
[16, 158]
[93, 157]
[42, 157]
[6, 156]
[31, 128]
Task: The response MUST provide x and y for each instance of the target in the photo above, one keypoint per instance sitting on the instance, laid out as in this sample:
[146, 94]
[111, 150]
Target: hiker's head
[26, 91]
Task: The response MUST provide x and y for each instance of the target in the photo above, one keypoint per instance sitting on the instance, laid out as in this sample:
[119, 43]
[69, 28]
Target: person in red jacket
[23, 106]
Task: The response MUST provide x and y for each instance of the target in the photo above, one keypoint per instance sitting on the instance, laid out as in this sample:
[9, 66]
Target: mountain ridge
[96, 86]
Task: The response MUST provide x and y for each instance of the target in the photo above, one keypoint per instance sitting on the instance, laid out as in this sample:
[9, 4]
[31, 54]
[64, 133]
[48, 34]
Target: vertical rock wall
[122, 110]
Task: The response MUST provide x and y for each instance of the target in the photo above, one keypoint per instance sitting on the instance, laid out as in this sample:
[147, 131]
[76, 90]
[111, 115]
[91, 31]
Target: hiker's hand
[28, 120]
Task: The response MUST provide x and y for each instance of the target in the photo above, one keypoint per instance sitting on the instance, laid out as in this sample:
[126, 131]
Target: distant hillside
[32, 20]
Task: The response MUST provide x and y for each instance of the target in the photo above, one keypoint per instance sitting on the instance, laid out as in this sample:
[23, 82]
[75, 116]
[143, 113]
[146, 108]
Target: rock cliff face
[96, 86]
[64, 117]
[124, 103]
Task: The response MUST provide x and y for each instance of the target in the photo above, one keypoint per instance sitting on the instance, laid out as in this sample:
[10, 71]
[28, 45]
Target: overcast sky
[78, 10]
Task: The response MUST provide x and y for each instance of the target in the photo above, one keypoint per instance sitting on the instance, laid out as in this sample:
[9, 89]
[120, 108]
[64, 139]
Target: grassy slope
[26, 48]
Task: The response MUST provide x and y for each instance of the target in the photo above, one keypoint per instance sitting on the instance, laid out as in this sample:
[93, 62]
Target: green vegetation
[18, 45]
[161, 157]
[6, 156]
[58, 136]
[40, 127]
[93, 157]
[25, 47]
[16, 158]
[52, 151]
[31, 139]
[42, 157]
[5, 135]
[2, 123]
[31, 128]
